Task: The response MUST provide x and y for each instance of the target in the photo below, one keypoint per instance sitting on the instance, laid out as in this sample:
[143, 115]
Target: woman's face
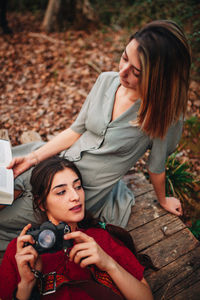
[129, 67]
[66, 199]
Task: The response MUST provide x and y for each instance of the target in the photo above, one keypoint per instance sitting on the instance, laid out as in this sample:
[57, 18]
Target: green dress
[104, 153]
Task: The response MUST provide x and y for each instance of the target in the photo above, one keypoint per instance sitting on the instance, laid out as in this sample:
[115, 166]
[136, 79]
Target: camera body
[49, 237]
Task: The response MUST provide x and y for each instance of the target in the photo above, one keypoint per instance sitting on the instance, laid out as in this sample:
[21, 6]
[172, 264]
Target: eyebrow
[132, 65]
[64, 184]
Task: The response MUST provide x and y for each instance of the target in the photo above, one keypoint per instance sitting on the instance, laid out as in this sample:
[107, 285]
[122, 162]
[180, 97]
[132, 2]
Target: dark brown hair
[41, 180]
[165, 61]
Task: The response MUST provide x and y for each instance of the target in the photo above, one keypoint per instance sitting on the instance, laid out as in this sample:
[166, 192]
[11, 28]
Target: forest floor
[45, 78]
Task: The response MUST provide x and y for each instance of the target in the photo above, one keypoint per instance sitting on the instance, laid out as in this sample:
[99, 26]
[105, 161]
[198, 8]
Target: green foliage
[27, 5]
[133, 14]
[183, 184]
[179, 180]
[191, 135]
[193, 124]
[195, 229]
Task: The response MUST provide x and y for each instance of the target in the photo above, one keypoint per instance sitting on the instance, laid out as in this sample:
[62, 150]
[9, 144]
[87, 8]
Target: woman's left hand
[173, 205]
[86, 252]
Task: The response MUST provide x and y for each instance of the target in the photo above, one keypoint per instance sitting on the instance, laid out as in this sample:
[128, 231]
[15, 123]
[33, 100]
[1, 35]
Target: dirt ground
[44, 79]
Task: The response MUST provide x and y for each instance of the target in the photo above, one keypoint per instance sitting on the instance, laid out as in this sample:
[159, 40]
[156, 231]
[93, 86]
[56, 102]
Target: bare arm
[171, 204]
[129, 286]
[62, 141]
[59, 143]
[87, 252]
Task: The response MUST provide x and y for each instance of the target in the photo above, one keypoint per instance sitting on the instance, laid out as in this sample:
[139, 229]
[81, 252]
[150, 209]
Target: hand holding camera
[49, 237]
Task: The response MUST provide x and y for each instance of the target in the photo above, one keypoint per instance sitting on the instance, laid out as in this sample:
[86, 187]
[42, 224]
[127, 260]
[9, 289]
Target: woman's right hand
[21, 164]
[27, 258]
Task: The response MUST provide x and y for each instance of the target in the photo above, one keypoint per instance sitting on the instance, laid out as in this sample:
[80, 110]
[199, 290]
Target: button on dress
[104, 153]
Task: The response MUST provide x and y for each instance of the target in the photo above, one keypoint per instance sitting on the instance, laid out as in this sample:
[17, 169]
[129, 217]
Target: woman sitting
[96, 265]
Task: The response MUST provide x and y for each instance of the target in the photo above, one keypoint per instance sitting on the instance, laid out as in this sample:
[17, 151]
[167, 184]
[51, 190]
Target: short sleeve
[79, 124]
[162, 148]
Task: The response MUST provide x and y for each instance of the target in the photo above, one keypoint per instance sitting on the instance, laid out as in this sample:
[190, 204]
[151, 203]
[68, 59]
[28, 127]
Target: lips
[76, 208]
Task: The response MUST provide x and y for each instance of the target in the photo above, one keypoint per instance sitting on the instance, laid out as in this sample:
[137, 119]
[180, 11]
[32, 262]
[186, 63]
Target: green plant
[183, 184]
[193, 124]
[191, 136]
[27, 5]
[195, 229]
[179, 180]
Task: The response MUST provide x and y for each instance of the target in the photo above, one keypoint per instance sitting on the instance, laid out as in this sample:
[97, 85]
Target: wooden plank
[169, 249]
[137, 183]
[179, 288]
[174, 272]
[156, 230]
[172, 247]
[191, 293]
[145, 210]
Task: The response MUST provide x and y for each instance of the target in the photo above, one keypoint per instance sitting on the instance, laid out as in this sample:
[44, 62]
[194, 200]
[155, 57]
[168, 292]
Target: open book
[6, 176]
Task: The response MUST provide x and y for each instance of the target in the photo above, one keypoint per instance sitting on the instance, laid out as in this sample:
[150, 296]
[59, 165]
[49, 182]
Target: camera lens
[46, 239]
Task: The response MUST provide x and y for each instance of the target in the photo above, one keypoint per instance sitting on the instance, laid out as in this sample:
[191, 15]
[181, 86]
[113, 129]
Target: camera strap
[100, 287]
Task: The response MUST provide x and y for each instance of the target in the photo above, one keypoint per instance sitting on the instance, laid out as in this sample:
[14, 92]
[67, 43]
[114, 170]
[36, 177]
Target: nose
[124, 70]
[73, 195]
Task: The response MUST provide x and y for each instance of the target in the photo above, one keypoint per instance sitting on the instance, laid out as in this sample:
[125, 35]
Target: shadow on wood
[165, 238]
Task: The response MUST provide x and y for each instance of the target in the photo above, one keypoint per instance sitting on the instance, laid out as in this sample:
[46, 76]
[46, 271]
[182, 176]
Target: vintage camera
[49, 237]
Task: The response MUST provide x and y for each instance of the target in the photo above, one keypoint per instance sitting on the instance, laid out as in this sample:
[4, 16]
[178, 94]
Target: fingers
[78, 236]
[19, 165]
[11, 164]
[177, 206]
[174, 206]
[78, 251]
[18, 170]
[176, 212]
[87, 261]
[180, 210]
[22, 238]
[14, 162]
[81, 255]
[85, 252]
[85, 255]
[28, 255]
[25, 229]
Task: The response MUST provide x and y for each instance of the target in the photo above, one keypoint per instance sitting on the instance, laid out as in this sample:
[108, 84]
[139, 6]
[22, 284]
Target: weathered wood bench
[165, 238]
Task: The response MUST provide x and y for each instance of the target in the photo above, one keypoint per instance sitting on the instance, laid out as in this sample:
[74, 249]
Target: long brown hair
[41, 180]
[165, 60]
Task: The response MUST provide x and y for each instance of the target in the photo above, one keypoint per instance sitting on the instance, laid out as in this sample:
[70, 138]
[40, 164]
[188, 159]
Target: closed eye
[124, 58]
[134, 73]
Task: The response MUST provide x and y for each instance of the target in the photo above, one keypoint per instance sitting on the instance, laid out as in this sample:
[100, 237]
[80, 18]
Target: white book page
[6, 176]
[6, 186]
[5, 153]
